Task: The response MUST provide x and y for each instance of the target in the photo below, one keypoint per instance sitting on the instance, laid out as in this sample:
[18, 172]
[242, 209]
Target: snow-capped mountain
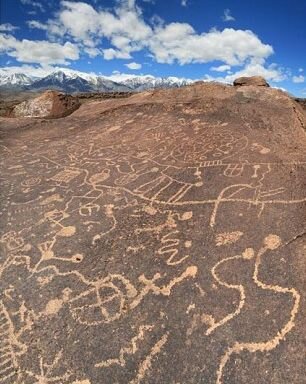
[140, 83]
[71, 81]
[62, 81]
[15, 80]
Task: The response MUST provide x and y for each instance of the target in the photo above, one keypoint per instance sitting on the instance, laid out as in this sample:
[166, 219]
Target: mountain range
[74, 81]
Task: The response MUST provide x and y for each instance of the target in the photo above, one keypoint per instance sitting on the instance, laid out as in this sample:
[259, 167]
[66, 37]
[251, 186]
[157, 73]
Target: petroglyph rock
[258, 81]
[158, 238]
[49, 104]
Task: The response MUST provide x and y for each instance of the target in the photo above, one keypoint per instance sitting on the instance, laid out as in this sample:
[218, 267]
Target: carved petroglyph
[239, 288]
[271, 242]
[131, 236]
[15, 251]
[46, 371]
[31, 182]
[228, 238]
[148, 361]
[170, 249]
[66, 176]
[234, 170]
[131, 349]
[10, 348]
[115, 295]
[260, 148]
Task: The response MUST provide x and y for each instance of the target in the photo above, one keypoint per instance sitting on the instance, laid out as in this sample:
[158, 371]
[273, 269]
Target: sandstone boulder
[257, 81]
[51, 104]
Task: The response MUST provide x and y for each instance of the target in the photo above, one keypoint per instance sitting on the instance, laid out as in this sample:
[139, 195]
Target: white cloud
[42, 52]
[301, 69]
[254, 68]
[124, 27]
[119, 32]
[33, 24]
[133, 65]
[298, 79]
[127, 32]
[179, 42]
[184, 3]
[227, 15]
[7, 27]
[34, 4]
[92, 52]
[221, 68]
[110, 54]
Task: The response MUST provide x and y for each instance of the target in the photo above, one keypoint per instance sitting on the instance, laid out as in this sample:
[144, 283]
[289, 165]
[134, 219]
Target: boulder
[301, 102]
[257, 81]
[158, 238]
[50, 104]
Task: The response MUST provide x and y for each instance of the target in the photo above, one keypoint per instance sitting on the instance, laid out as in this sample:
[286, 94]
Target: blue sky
[196, 39]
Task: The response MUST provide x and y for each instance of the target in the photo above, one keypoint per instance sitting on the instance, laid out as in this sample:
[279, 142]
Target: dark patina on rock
[158, 238]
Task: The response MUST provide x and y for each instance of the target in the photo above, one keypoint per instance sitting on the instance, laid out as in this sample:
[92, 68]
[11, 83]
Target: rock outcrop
[155, 239]
[257, 81]
[51, 104]
[302, 102]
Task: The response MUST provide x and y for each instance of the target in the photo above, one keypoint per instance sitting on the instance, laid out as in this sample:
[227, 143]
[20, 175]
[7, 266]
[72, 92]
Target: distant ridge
[74, 81]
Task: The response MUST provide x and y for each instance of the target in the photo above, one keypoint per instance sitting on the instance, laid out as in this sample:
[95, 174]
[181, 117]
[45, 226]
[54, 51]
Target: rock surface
[257, 81]
[155, 239]
[51, 104]
[302, 102]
